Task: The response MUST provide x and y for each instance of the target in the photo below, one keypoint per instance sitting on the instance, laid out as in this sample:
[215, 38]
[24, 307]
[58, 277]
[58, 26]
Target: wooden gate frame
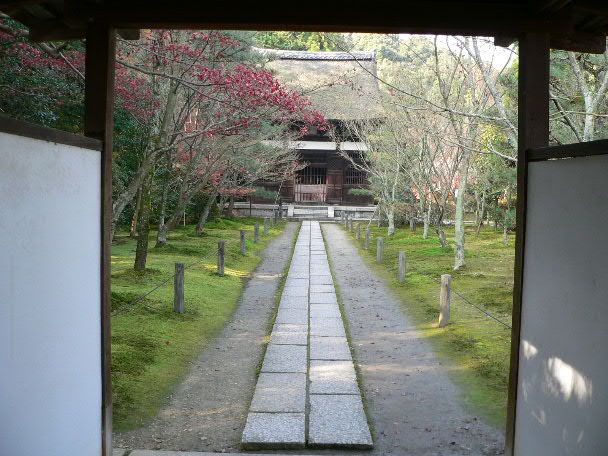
[98, 21]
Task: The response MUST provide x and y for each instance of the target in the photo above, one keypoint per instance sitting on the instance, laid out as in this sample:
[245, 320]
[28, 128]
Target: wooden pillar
[98, 123]
[533, 125]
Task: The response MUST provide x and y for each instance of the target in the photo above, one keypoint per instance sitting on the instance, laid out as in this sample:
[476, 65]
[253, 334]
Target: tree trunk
[427, 222]
[161, 236]
[482, 212]
[442, 239]
[136, 211]
[202, 221]
[141, 252]
[505, 239]
[390, 215]
[459, 232]
[230, 210]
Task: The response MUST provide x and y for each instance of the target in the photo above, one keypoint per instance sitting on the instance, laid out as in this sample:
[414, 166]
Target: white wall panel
[50, 344]
[562, 404]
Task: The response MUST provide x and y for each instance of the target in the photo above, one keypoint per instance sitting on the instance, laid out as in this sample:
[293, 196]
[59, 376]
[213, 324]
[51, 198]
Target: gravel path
[208, 411]
[413, 404]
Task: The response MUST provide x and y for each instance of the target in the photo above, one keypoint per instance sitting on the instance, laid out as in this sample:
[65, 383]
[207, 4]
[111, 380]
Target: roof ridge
[284, 54]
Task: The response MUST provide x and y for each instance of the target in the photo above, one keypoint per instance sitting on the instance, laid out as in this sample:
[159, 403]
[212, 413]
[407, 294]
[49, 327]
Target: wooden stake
[256, 233]
[401, 266]
[178, 288]
[243, 243]
[220, 258]
[380, 250]
[444, 300]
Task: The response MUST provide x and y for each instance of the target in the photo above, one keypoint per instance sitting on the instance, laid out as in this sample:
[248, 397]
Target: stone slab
[296, 302]
[324, 288]
[118, 451]
[274, 430]
[284, 334]
[323, 298]
[325, 279]
[332, 377]
[291, 290]
[297, 282]
[327, 327]
[329, 348]
[338, 421]
[320, 270]
[298, 275]
[325, 311]
[292, 316]
[285, 358]
[279, 393]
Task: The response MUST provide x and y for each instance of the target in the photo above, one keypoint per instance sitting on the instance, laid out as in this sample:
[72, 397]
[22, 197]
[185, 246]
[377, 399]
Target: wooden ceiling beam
[426, 18]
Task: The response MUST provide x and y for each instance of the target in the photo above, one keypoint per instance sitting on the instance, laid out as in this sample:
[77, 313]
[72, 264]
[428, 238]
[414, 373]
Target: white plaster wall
[50, 363]
[562, 404]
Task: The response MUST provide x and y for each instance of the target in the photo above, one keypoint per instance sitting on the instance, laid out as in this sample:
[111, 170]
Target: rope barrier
[128, 307]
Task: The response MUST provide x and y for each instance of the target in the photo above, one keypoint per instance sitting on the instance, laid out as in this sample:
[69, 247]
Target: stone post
[367, 233]
[359, 231]
[401, 266]
[444, 300]
[256, 232]
[178, 288]
[265, 226]
[380, 250]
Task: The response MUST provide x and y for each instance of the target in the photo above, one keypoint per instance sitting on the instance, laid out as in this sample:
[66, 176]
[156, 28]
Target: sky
[496, 55]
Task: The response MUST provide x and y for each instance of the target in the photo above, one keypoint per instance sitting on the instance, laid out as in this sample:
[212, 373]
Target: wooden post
[350, 225]
[367, 233]
[358, 231]
[265, 226]
[178, 289]
[243, 243]
[100, 59]
[280, 208]
[533, 131]
[402, 266]
[220, 258]
[380, 250]
[250, 207]
[256, 232]
[444, 300]
[274, 219]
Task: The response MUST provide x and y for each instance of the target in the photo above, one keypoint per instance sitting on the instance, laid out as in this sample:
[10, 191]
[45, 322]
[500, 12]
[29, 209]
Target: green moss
[152, 346]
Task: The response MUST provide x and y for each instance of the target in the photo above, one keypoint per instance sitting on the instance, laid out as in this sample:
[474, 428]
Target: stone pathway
[307, 393]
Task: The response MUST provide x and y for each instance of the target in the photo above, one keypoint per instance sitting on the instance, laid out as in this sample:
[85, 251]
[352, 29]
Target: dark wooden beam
[533, 126]
[55, 31]
[129, 34]
[504, 41]
[35, 131]
[99, 96]
[583, 149]
[577, 42]
[464, 18]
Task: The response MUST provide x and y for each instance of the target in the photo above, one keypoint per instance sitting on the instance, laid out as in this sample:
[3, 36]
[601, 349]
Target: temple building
[343, 87]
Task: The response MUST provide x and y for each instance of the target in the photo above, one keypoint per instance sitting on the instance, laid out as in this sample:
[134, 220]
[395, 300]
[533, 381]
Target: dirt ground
[208, 411]
[412, 404]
